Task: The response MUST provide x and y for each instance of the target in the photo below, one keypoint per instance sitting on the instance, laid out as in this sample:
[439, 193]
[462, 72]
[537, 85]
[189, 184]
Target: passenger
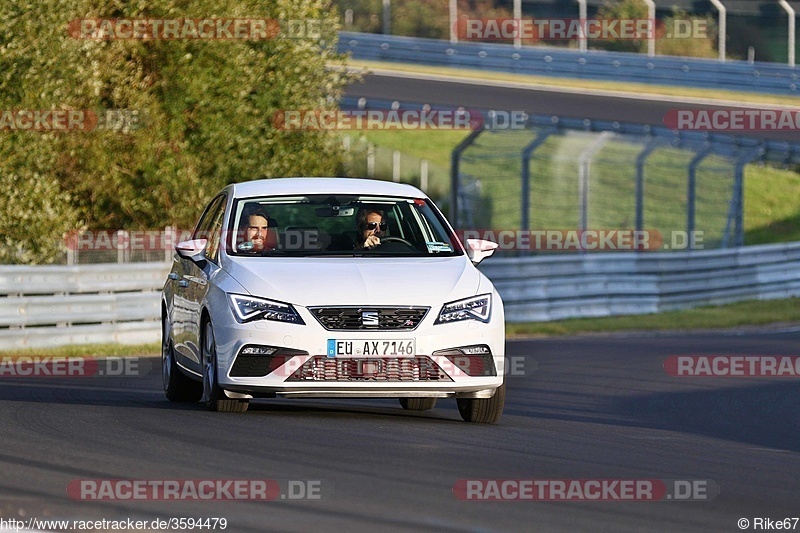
[370, 224]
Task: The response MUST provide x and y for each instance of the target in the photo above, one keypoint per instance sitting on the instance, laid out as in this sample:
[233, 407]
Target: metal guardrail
[44, 306]
[734, 75]
[539, 289]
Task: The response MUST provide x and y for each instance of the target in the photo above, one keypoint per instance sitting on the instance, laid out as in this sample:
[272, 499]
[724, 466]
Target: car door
[193, 285]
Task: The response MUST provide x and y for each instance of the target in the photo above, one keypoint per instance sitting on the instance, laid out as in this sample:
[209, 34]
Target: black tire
[177, 386]
[483, 410]
[213, 395]
[418, 404]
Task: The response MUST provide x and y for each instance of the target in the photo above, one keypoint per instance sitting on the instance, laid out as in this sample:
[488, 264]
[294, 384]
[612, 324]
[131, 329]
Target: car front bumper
[311, 343]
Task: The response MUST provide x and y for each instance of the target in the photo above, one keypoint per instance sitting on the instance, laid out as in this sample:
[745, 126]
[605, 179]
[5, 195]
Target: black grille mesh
[350, 318]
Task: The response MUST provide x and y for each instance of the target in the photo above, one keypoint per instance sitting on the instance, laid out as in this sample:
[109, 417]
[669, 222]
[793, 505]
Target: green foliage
[206, 110]
[667, 40]
[416, 18]
[366, 15]
[698, 46]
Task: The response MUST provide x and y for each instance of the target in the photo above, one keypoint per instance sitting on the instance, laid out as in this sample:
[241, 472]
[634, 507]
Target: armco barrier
[544, 288]
[58, 305]
[734, 75]
[44, 306]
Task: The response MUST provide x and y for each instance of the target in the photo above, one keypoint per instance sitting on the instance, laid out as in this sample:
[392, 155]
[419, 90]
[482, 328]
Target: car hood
[357, 281]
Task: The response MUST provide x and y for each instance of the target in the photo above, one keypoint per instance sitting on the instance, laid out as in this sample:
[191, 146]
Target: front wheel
[213, 395]
[483, 410]
[177, 386]
[418, 404]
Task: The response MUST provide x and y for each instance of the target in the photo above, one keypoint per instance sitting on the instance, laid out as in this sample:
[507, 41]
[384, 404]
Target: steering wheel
[397, 239]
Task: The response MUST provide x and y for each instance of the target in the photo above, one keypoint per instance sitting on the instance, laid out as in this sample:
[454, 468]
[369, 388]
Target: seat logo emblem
[369, 319]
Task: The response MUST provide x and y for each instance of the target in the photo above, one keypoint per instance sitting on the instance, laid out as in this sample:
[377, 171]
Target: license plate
[371, 348]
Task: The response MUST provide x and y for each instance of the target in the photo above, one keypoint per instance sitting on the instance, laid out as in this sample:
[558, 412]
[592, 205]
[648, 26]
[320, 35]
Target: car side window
[210, 227]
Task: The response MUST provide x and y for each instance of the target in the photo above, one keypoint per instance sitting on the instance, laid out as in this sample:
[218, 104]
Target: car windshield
[339, 225]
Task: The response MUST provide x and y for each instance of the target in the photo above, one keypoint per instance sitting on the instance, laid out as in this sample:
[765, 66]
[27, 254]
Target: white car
[331, 287]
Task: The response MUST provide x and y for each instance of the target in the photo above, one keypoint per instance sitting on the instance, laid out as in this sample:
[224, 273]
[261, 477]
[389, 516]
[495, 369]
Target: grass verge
[750, 313]
[87, 350]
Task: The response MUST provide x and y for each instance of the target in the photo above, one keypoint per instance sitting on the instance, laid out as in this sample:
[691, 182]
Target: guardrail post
[691, 188]
[652, 145]
[527, 152]
[455, 159]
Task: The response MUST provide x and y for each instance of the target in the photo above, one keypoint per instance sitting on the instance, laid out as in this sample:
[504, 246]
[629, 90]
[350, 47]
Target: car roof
[291, 186]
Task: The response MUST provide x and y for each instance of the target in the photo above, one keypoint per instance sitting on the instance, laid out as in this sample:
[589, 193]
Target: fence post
[691, 188]
[723, 28]
[652, 145]
[583, 38]
[455, 159]
[453, 19]
[527, 152]
[169, 239]
[792, 29]
[396, 166]
[387, 17]
[423, 175]
[371, 160]
[736, 206]
[122, 243]
[651, 38]
[584, 166]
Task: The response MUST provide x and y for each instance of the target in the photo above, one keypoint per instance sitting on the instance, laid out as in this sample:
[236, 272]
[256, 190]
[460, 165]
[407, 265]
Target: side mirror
[479, 249]
[193, 250]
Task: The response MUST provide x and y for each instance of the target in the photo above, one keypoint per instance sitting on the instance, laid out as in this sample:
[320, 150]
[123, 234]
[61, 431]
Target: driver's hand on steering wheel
[372, 241]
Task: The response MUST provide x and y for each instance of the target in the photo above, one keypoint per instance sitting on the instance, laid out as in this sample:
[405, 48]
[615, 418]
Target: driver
[371, 225]
[255, 223]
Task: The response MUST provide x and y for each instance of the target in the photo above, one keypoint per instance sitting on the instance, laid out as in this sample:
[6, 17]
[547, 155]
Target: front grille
[376, 369]
[355, 318]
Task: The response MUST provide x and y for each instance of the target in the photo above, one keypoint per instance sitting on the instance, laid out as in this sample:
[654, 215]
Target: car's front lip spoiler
[270, 392]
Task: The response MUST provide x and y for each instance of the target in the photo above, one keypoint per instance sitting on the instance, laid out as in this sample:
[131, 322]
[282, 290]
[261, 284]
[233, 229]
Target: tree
[205, 108]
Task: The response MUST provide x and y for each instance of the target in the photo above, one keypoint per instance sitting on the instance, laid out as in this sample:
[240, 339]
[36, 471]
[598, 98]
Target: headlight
[475, 308]
[248, 308]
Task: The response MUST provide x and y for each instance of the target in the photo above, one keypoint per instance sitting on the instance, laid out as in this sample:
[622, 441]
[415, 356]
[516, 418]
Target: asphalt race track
[577, 408]
[531, 100]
